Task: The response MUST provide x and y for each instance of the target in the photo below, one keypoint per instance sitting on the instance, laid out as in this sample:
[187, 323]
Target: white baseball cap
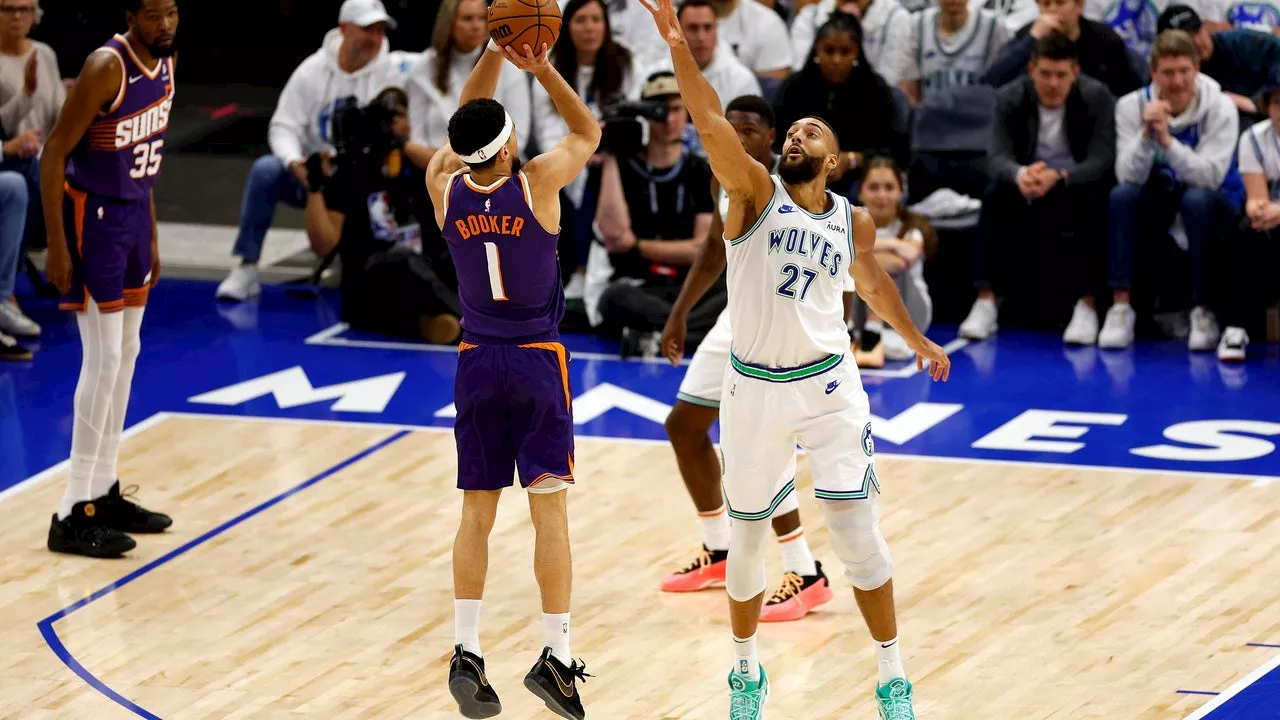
[365, 13]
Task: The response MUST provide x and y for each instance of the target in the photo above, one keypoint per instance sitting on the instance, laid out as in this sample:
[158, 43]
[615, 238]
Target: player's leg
[486, 464]
[804, 586]
[118, 510]
[98, 258]
[757, 445]
[542, 427]
[688, 427]
[845, 483]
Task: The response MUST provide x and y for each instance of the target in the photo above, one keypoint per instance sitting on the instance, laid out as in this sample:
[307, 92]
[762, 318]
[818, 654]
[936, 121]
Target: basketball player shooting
[511, 390]
[97, 172]
[790, 241]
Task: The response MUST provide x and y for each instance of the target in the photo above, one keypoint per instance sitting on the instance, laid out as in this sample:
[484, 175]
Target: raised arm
[99, 83]
[881, 295]
[740, 175]
[558, 166]
[481, 83]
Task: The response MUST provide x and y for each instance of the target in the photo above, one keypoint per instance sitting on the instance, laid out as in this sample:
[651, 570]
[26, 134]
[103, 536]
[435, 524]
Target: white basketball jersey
[966, 56]
[786, 278]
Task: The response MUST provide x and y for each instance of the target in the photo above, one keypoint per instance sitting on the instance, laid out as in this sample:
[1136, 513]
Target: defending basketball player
[97, 172]
[512, 390]
[804, 586]
[789, 243]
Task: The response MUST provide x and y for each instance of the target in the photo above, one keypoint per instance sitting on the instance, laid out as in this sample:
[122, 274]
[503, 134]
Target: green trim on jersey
[784, 375]
[767, 209]
[695, 400]
[765, 514]
[835, 204]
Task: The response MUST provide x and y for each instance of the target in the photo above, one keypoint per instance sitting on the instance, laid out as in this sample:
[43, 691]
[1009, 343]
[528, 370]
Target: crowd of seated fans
[1127, 148]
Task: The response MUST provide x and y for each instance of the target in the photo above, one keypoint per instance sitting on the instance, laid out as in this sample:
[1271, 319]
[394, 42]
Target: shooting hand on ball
[526, 60]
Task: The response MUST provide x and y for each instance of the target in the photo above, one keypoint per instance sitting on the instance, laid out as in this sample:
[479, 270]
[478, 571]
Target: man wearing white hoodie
[1175, 149]
[354, 60]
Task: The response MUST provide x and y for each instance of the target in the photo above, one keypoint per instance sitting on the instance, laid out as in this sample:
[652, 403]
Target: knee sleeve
[854, 527]
[789, 503]
[744, 573]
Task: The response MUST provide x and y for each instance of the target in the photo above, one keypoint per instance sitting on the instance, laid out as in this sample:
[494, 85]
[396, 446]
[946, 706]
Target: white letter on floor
[291, 388]
[1216, 444]
[1020, 432]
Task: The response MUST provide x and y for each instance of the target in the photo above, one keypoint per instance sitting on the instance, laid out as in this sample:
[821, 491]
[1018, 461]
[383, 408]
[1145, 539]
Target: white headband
[488, 151]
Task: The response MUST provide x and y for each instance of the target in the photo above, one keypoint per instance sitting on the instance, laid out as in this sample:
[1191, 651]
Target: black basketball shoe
[84, 533]
[120, 512]
[556, 685]
[470, 687]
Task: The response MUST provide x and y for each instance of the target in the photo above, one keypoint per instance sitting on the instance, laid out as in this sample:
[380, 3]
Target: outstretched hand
[527, 61]
[664, 15]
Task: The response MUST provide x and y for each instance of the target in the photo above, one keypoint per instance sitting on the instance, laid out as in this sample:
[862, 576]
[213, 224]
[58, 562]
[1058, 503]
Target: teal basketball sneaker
[746, 698]
[894, 699]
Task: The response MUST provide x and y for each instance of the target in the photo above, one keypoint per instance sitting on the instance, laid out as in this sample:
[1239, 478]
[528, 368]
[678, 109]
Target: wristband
[493, 46]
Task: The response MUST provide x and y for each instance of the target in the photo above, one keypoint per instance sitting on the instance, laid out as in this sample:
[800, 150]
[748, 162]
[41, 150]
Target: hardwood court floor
[1024, 592]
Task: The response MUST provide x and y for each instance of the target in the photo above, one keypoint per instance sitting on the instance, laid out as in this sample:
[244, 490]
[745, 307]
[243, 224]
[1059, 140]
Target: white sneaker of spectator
[895, 348]
[11, 350]
[1204, 331]
[15, 323]
[241, 284]
[981, 322]
[1231, 348]
[1117, 328]
[1083, 328]
[577, 285]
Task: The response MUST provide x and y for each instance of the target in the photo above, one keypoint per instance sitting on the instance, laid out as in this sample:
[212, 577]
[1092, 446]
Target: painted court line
[331, 336]
[1207, 710]
[59, 649]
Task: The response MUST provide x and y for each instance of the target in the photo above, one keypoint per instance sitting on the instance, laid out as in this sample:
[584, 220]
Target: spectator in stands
[1102, 52]
[654, 213]
[435, 83]
[903, 241]
[1135, 22]
[354, 61]
[1013, 13]
[375, 212]
[881, 21]
[632, 27]
[31, 96]
[1239, 60]
[603, 72]
[1175, 151]
[1051, 163]
[1258, 15]
[719, 66]
[947, 45]
[840, 86]
[13, 218]
[1252, 260]
[756, 35]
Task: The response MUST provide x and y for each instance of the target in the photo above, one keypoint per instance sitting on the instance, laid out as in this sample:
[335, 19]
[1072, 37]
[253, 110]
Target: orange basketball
[517, 22]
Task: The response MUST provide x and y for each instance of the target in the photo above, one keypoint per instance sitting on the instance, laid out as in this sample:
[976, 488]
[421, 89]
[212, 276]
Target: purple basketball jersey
[121, 152]
[508, 271]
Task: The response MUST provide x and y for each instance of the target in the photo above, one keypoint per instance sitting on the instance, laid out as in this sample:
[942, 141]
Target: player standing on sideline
[790, 241]
[511, 390]
[804, 586]
[97, 173]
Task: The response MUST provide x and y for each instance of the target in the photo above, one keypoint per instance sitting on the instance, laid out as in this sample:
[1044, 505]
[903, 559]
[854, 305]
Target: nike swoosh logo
[786, 209]
[135, 79]
[832, 387]
[566, 690]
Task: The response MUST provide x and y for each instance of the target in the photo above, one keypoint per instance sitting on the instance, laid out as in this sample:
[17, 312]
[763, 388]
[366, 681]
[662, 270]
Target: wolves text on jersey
[807, 244]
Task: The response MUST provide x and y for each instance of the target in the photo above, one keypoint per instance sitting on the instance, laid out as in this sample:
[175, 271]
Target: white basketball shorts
[705, 374]
[766, 412]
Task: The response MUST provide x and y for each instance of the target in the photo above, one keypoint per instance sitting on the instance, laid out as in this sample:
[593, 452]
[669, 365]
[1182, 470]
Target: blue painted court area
[1021, 397]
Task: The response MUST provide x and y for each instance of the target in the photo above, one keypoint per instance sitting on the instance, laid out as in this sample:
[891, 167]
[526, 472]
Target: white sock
[100, 340]
[105, 472]
[715, 528]
[796, 556]
[466, 625]
[890, 660]
[555, 626]
[748, 663]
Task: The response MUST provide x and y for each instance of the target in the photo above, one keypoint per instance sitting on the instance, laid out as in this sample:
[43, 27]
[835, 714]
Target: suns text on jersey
[807, 244]
[137, 128]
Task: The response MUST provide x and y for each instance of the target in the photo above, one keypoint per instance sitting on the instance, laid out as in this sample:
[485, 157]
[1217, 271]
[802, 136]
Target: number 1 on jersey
[495, 271]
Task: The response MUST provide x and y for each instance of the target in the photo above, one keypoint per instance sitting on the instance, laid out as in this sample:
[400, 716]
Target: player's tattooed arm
[100, 83]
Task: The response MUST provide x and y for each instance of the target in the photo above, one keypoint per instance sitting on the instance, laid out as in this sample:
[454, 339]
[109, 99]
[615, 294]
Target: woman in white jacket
[435, 83]
[355, 60]
[1175, 163]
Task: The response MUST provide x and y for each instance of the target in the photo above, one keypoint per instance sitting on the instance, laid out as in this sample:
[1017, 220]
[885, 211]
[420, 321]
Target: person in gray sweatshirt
[1175, 150]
